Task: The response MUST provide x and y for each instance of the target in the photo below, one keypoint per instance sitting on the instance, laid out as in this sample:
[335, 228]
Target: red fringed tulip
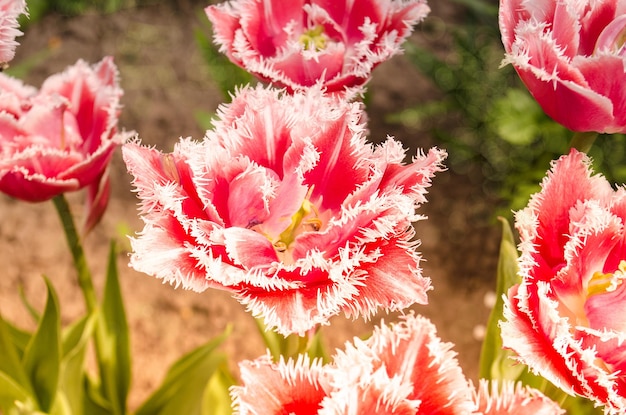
[286, 387]
[401, 369]
[9, 28]
[570, 54]
[60, 138]
[300, 43]
[286, 205]
[567, 318]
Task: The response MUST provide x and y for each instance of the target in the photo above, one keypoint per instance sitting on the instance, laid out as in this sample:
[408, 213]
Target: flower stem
[582, 141]
[78, 254]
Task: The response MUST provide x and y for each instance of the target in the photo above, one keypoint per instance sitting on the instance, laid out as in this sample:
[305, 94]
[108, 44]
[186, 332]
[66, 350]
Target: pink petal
[607, 310]
[35, 187]
[569, 181]
[519, 333]
[596, 72]
[408, 358]
[393, 282]
[280, 388]
[9, 27]
[248, 248]
[97, 200]
[507, 397]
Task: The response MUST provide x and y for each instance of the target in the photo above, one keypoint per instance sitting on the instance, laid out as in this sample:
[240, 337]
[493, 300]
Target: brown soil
[166, 82]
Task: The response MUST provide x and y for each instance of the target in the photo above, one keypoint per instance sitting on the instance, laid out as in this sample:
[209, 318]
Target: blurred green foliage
[487, 118]
[226, 74]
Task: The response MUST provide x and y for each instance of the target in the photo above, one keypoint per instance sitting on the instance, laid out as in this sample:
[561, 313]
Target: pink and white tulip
[566, 318]
[10, 10]
[286, 387]
[301, 43]
[60, 138]
[401, 369]
[287, 206]
[570, 54]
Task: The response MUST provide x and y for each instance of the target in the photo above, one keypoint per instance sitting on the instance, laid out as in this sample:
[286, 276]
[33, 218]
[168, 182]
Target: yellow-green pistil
[601, 283]
[314, 38]
[305, 216]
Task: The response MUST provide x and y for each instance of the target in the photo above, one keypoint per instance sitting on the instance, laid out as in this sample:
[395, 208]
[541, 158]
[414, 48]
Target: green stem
[78, 254]
[582, 141]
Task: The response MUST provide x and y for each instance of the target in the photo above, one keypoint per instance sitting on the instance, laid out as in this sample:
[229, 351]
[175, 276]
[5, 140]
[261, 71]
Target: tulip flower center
[306, 219]
[613, 37]
[601, 283]
[314, 38]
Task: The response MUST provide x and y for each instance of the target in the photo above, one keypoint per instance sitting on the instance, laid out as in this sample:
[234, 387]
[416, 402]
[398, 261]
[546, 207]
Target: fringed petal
[507, 397]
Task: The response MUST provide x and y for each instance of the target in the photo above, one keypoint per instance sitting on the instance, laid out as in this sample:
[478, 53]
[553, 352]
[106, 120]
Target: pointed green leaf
[94, 402]
[72, 335]
[288, 346]
[273, 341]
[577, 405]
[10, 363]
[495, 363]
[29, 307]
[115, 364]
[20, 338]
[72, 378]
[316, 348]
[216, 399]
[185, 382]
[42, 355]
[10, 392]
[61, 405]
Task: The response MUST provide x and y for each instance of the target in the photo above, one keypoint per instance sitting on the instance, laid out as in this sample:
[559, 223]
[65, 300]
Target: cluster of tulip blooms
[285, 204]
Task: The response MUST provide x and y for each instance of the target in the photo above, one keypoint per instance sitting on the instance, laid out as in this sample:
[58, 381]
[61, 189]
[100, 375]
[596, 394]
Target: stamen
[314, 38]
[307, 216]
[601, 283]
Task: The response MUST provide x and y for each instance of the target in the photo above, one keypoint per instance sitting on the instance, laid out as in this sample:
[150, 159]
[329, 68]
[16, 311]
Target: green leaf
[577, 405]
[290, 346]
[94, 402]
[61, 405]
[184, 385]
[274, 342]
[20, 338]
[42, 355]
[72, 378]
[495, 362]
[73, 334]
[316, 348]
[10, 392]
[10, 363]
[216, 398]
[29, 307]
[114, 347]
